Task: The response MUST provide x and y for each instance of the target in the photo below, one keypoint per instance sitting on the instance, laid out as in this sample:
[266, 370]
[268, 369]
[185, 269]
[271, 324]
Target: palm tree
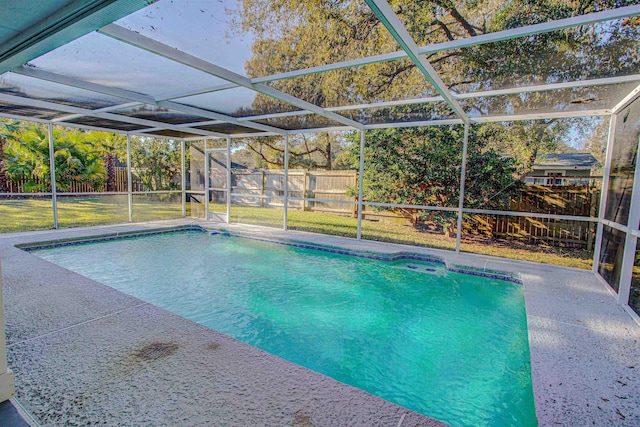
[6, 129]
[76, 160]
[27, 157]
[110, 146]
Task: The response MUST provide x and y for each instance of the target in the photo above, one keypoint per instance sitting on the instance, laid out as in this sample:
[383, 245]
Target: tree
[6, 129]
[27, 157]
[596, 144]
[421, 166]
[111, 146]
[156, 163]
[290, 34]
[324, 150]
[524, 141]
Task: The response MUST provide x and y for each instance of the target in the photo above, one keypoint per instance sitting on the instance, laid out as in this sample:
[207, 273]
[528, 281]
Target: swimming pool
[448, 345]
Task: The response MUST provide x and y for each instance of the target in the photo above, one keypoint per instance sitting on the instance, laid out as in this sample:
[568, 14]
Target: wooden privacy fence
[19, 186]
[257, 188]
[553, 232]
[561, 200]
[322, 185]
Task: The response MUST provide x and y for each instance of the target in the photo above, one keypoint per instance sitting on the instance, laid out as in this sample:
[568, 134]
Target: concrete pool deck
[83, 352]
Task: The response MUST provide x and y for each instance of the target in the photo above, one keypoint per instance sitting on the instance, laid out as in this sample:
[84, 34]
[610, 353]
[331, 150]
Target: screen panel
[100, 59]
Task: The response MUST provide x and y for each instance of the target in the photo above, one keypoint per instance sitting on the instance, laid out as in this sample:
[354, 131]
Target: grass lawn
[80, 211]
[35, 214]
[317, 222]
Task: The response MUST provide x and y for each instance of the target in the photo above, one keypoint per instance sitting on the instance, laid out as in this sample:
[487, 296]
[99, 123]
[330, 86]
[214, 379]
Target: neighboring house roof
[566, 161]
[235, 165]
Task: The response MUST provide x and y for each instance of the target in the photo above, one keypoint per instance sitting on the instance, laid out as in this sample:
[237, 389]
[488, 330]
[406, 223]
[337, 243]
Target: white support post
[285, 218]
[604, 191]
[631, 241]
[52, 171]
[183, 173]
[228, 180]
[129, 179]
[360, 185]
[390, 20]
[206, 181]
[463, 176]
[7, 388]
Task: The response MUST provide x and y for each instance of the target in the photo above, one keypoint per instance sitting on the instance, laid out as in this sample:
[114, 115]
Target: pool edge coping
[378, 256]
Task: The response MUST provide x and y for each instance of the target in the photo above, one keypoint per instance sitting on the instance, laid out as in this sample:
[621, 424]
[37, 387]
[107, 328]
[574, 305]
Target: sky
[199, 27]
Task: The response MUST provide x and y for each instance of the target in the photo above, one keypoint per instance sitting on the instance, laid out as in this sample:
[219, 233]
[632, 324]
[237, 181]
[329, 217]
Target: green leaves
[156, 163]
[78, 156]
[421, 166]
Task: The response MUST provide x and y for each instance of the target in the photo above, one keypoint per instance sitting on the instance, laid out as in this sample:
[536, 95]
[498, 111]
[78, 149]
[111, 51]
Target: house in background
[563, 169]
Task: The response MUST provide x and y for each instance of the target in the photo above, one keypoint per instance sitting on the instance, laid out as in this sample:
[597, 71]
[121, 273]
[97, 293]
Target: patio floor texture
[85, 353]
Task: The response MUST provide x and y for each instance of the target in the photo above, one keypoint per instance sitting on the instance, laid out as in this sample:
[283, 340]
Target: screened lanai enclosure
[505, 129]
[410, 122]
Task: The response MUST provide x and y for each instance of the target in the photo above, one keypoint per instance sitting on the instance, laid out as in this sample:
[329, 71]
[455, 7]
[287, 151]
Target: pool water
[448, 345]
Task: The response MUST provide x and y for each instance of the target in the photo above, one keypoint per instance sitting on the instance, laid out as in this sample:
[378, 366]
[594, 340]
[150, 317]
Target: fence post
[304, 189]
[262, 185]
[355, 184]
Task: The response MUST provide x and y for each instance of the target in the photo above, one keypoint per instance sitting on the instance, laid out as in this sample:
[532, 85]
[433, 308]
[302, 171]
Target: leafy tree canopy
[293, 35]
[83, 158]
[324, 150]
[421, 166]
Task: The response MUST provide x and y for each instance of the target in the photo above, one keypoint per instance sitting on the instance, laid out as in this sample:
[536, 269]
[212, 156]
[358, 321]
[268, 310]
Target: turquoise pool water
[448, 345]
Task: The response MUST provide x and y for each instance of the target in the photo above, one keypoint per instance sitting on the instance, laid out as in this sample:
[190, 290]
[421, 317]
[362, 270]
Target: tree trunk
[110, 166]
[452, 226]
[328, 156]
[4, 180]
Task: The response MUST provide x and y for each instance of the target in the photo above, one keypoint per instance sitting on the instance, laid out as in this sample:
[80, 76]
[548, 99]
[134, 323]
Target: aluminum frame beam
[64, 25]
[137, 97]
[109, 116]
[463, 177]
[52, 175]
[285, 213]
[391, 21]
[145, 43]
[183, 178]
[458, 96]
[604, 192]
[228, 206]
[129, 180]
[631, 241]
[361, 183]
[631, 96]
[443, 122]
[466, 95]
[97, 110]
[248, 121]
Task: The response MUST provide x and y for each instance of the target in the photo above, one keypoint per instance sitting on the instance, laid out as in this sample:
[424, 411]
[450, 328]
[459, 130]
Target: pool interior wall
[61, 327]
